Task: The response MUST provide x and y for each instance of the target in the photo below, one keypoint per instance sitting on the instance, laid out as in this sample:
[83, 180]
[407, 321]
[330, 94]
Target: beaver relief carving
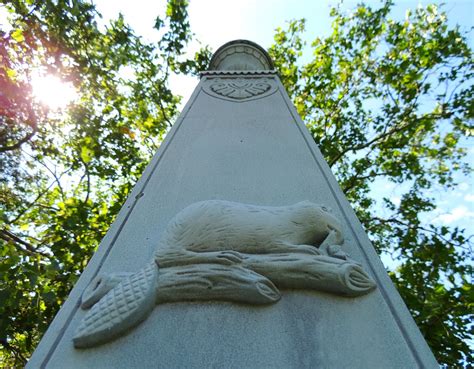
[227, 251]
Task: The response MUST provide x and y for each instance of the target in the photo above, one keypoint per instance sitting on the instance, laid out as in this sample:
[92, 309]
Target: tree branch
[353, 180]
[411, 226]
[10, 237]
[20, 142]
[32, 203]
[15, 351]
[369, 143]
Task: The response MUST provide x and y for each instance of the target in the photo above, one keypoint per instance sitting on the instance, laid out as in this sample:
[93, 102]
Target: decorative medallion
[240, 89]
[226, 251]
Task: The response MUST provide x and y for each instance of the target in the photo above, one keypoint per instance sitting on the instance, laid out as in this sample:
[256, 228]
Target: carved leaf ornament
[226, 251]
[240, 89]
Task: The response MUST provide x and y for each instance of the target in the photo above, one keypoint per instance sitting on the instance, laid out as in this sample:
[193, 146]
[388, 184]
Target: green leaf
[86, 154]
[17, 35]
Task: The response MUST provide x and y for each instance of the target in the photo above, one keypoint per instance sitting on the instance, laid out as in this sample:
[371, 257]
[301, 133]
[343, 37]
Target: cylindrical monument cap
[241, 55]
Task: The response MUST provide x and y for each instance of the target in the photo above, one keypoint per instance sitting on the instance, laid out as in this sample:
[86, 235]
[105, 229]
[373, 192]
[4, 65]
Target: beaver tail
[123, 307]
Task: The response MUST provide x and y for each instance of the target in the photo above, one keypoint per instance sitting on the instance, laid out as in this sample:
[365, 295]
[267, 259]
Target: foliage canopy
[385, 100]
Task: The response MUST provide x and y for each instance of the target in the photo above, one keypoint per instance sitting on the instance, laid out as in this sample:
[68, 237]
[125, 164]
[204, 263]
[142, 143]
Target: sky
[215, 22]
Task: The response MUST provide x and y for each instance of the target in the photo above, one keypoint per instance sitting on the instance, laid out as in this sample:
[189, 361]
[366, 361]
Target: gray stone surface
[251, 150]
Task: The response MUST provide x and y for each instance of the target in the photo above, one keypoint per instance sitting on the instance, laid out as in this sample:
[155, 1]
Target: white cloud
[463, 186]
[469, 197]
[396, 200]
[458, 213]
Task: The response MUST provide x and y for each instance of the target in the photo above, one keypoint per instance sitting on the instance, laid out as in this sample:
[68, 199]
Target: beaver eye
[324, 208]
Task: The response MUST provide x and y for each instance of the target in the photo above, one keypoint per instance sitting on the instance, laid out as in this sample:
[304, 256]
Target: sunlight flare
[53, 92]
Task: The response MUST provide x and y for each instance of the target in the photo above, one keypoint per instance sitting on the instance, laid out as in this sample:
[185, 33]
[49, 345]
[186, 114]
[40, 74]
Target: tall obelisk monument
[236, 249]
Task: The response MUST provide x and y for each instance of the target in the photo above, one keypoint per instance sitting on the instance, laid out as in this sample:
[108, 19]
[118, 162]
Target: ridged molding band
[241, 55]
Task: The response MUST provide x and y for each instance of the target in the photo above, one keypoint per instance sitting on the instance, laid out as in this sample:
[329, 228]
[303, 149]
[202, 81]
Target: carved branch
[244, 283]
[314, 272]
[214, 282]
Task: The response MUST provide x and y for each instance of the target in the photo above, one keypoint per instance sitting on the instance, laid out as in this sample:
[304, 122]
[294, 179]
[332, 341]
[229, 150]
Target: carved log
[314, 272]
[214, 282]
[285, 270]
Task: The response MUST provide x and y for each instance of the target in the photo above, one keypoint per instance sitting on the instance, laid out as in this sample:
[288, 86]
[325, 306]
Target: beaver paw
[308, 249]
[336, 252]
[229, 257]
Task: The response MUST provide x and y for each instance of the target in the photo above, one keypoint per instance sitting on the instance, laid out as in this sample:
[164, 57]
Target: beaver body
[221, 226]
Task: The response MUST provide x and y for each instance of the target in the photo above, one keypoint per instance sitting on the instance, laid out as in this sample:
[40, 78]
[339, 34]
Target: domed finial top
[241, 55]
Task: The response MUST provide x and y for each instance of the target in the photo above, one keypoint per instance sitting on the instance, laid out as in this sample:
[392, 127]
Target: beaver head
[319, 222]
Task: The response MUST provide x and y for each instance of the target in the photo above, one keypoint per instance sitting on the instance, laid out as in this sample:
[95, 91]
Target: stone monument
[236, 249]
